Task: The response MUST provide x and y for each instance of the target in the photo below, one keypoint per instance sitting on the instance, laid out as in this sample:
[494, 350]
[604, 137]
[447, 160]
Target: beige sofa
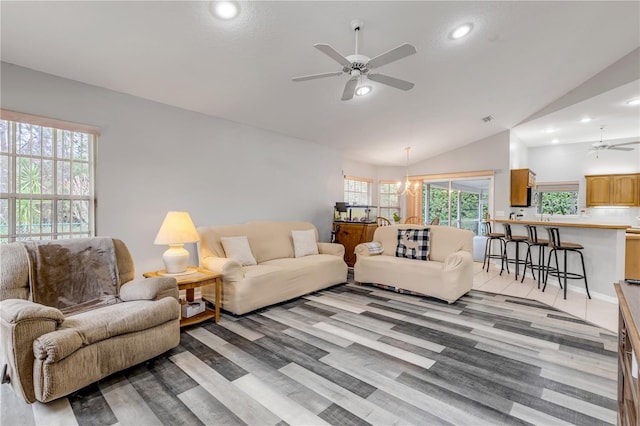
[278, 275]
[447, 275]
[92, 318]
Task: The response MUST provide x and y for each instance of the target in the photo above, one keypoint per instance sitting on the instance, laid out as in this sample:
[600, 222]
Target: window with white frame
[357, 190]
[46, 178]
[556, 198]
[388, 199]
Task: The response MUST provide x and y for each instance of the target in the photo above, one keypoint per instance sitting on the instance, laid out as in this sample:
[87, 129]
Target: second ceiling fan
[357, 66]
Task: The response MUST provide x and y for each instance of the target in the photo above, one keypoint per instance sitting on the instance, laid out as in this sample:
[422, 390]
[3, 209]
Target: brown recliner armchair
[71, 313]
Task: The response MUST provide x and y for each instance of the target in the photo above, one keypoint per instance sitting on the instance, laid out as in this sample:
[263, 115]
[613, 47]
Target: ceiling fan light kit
[358, 66]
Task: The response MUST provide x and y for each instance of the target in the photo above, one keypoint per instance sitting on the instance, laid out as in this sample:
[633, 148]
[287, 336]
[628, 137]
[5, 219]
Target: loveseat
[272, 268]
[71, 313]
[446, 275]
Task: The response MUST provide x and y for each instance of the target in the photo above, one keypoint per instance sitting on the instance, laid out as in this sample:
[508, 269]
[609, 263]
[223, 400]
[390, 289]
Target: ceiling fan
[602, 146]
[358, 66]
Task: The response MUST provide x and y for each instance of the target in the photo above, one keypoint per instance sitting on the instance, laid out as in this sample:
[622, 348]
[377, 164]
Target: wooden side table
[190, 282]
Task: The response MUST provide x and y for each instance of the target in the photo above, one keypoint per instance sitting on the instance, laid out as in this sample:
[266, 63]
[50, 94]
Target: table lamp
[176, 230]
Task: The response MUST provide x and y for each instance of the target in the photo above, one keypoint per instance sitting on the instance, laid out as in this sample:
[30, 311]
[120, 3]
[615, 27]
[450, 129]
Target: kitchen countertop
[563, 224]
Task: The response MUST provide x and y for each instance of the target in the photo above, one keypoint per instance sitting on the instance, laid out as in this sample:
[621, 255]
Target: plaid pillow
[413, 244]
[374, 247]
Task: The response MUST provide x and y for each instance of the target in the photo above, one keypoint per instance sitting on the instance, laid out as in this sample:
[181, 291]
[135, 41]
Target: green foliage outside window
[50, 193]
[470, 203]
[562, 203]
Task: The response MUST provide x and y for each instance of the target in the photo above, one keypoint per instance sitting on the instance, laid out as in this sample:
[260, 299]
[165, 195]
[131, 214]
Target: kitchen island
[604, 252]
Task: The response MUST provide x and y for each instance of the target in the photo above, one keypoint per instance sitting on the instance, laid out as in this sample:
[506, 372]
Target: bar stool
[556, 244]
[491, 237]
[517, 239]
[532, 234]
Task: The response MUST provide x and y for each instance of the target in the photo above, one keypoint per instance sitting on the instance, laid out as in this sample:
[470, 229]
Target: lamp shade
[177, 228]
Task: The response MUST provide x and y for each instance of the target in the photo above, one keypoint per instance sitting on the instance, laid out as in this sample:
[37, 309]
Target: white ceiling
[520, 57]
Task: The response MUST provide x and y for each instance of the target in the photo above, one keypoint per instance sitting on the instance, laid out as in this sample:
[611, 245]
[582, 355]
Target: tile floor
[594, 311]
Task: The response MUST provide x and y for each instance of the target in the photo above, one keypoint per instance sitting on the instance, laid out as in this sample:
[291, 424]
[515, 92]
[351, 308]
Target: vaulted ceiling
[519, 57]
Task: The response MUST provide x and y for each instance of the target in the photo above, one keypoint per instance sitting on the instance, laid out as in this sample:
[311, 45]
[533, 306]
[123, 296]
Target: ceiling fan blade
[350, 89]
[626, 143]
[391, 81]
[616, 148]
[392, 55]
[314, 76]
[333, 54]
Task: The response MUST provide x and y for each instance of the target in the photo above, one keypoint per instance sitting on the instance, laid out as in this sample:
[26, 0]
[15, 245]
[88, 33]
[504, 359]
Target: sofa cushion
[446, 240]
[388, 237]
[413, 244]
[238, 248]
[121, 318]
[268, 240]
[304, 242]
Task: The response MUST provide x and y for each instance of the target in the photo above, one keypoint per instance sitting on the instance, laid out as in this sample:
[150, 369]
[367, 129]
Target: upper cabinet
[522, 180]
[613, 190]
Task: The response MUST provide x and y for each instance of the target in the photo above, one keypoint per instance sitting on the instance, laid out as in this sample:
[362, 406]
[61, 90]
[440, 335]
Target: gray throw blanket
[73, 275]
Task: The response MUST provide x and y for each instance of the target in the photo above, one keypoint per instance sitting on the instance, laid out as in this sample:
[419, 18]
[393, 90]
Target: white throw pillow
[304, 242]
[238, 248]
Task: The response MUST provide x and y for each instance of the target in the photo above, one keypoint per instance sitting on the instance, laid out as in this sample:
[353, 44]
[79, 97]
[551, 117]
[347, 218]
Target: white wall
[518, 153]
[153, 158]
[491, 153]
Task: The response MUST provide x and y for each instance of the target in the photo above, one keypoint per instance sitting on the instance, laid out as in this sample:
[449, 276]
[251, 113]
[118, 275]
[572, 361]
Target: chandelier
[406, 187]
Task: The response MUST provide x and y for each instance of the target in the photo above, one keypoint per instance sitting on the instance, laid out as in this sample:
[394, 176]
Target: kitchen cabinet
[632, 254]
[350, 234]
[613, 190]
[522, 182]
[625, 190]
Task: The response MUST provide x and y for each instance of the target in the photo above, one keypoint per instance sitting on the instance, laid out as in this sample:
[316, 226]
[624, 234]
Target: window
[558, 198]
[389, 201]
[46, 178]
[461, 200]
[357, 190]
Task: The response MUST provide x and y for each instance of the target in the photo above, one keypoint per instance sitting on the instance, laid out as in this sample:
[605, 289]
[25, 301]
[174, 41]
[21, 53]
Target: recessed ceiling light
[635, 101]
[363, 90]
[549, 130]
[555, 141]
[461, 31]
[225, 9]
[585, 120]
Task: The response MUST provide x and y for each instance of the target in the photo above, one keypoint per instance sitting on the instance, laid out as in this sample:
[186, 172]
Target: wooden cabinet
[350, 234]
[613, 190]
[598, 190]
[522, 180]
[632, 255]
[628, 354]
[625, 190]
